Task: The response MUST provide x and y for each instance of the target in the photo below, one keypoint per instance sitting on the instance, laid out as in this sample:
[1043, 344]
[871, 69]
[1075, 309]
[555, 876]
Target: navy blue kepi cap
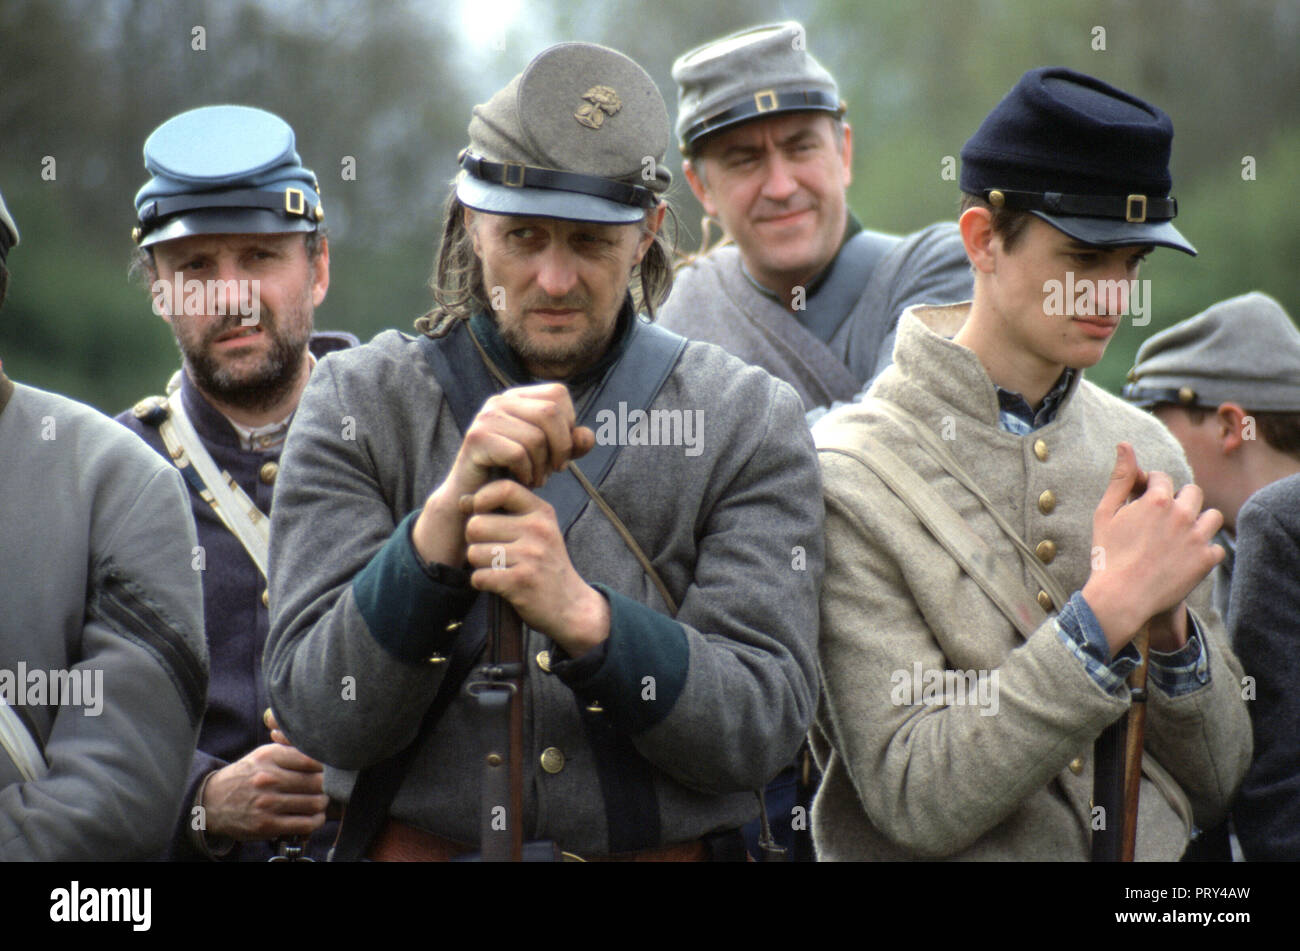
[224, 170]
[1087, 158]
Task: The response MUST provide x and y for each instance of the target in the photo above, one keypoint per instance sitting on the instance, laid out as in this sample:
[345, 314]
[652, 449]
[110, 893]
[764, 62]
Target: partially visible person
[961, 709]
[1265, 632]
[231, 242]
[1226, 383]
[667, 601]
[804, 291]
[103, 668]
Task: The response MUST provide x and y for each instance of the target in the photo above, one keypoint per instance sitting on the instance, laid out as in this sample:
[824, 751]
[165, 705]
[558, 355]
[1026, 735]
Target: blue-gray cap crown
[224, 170]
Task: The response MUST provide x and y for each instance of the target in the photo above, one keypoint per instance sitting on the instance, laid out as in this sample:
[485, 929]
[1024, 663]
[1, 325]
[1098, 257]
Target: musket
[498, 689]
[1117, 768]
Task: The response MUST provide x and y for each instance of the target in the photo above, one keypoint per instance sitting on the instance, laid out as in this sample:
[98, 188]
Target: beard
[558, 355]
[257, 387]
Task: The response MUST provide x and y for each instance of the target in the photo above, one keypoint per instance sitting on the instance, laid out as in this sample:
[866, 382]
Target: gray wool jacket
[714, 301]
[735, 531]
[911, 779]
[97, 584]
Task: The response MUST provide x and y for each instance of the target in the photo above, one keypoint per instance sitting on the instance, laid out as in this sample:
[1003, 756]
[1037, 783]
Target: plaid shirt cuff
[1081, 632]
[1184, 670]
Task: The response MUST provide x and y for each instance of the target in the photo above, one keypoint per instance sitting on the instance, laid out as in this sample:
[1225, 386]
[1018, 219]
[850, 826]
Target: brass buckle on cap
[289, 206]
[765, 100]
[513, 180]
[1141, 215]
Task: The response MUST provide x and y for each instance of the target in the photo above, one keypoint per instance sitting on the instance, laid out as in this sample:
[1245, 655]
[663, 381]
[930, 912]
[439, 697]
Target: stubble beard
[264, 385]
[554, 357]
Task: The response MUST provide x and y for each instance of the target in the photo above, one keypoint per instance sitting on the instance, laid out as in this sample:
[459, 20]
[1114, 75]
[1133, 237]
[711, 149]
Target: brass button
[268, 472]
[266, 597]
[1040, 450]
[1046, 551]
[1186, 395]
[452, 626]
[1047, 502]
[1076, 765]
[544, 660]
[1132, 376]
[552, 760]
[437, 659]
[595, 707]
[1045, 600]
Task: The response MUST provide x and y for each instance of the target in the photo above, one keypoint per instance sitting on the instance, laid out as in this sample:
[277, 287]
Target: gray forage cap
[1243, 350]
[8, 230]
[580, 134]
[762, 71]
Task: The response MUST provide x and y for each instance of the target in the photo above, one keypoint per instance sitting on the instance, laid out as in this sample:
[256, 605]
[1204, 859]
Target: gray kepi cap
[1244, 350]
[759, 72]
[580, 134]
[224, 170]
[8, 231]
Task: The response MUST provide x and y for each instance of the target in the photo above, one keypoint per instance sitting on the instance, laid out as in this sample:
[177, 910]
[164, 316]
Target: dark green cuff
[643, 670]
[411, 612]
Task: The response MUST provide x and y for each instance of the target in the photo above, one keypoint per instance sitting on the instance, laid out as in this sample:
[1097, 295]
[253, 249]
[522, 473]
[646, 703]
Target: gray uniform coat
[714, 301]
[909, 780]
[1266, 633]
[96, 579]
[713, 704]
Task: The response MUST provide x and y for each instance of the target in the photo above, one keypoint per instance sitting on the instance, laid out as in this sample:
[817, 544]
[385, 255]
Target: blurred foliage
[392, 84]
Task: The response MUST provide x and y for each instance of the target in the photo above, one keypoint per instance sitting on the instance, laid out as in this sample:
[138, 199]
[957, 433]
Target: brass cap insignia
[601, 101]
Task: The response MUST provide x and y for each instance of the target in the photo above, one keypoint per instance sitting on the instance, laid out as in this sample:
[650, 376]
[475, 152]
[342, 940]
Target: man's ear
[698, 186]
[654, 220]
[1230, 423]
[848, 154]
[321, 276]
[976, 226]
[467, 216]
[161, 291]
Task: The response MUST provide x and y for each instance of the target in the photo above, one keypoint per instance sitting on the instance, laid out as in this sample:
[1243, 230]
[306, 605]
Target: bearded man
[231, 241]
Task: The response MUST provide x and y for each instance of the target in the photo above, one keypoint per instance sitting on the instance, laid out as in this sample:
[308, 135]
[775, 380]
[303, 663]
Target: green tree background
[391, 85]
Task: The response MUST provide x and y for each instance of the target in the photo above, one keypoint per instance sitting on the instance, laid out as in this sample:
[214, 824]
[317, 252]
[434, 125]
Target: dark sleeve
[1266, 636]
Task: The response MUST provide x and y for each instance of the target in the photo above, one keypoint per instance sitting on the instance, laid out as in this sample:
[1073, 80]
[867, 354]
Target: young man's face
[1059, 327]
[556, 286]
[777, 185]
[243, 359]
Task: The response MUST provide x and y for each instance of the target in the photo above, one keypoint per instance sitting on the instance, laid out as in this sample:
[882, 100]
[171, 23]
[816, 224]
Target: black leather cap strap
[764, 101]
[1134, 208]
[518, 175]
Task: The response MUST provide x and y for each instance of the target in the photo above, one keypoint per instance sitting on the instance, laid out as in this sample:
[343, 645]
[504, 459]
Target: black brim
[543, 203]
[1116, 233]
[226, 221]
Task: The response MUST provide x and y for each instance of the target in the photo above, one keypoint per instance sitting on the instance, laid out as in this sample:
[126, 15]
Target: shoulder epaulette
[152, 410]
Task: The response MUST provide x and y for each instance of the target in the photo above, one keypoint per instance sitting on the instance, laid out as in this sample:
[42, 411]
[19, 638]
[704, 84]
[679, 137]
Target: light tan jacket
[910, 780]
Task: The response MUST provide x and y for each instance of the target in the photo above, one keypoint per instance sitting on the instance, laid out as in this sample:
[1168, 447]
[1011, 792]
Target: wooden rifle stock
[500, 689]
[1117, 769]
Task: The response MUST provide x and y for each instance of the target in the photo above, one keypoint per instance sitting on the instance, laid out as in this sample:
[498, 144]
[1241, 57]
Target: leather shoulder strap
[942, 521]
[20, 745]
[231, 503]
[634, 380]
[467, 383]
[942, 455]
[835, 299]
